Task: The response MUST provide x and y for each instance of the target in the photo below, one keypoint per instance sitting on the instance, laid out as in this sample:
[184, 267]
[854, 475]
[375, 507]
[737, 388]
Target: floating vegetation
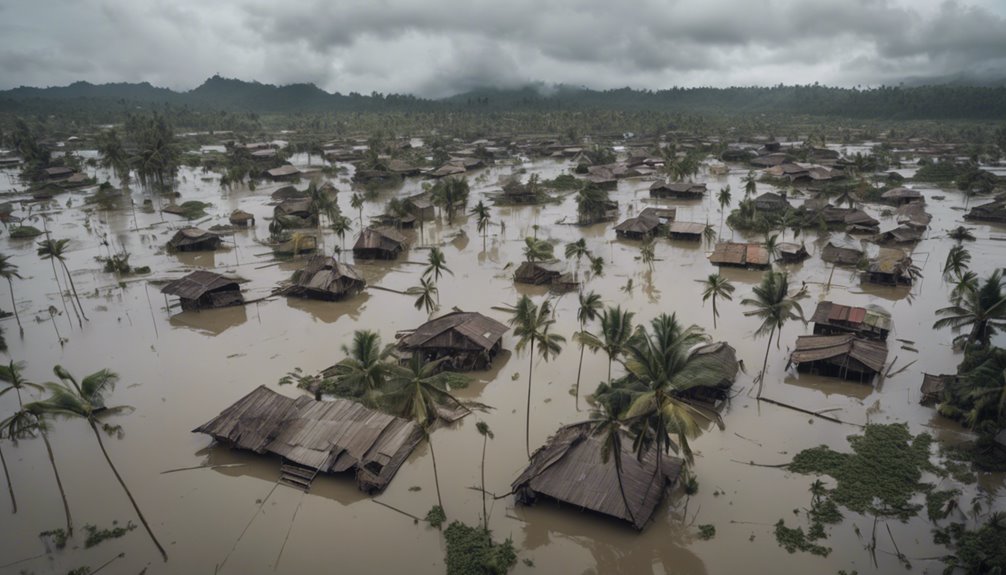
[436, 516]
[471, 551]
[96, 536]
[58, 537]
[977, 551]
[707, 532]
[25, 232]
[939, 504]
[794, 540]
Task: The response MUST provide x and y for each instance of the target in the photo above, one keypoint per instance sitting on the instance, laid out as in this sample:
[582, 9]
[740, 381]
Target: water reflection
[829, 385]
[211, 321]
[330, 311]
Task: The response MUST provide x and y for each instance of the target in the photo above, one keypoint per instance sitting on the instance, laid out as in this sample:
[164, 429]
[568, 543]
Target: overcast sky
[440, 47]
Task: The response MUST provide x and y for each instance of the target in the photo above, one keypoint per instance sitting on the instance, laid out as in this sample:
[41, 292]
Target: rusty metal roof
[198, 283]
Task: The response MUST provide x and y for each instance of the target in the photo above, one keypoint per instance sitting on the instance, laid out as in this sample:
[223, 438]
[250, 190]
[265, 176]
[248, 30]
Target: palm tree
[750, 184]
[962, 284]
[983, 309]
[590, 305]
[483, 429]
[577, 250]
[449, 194]
[716, 286]
[647, 252]
[10, 486]
[364, 370]
[616, 330]
[322, 203]
[772, 247]
[531, 326]
[537, 250]
[9, 271]
[437, 265]
[25, 424]
[775, 306]
[114, 155]
[413, 394]
[341, 225]
[481, 213]
[54, 249]
[709, 234]
[591, 204]
[958, 260]
[724, 200]
[428, 295]
[606, 423]
[356, 201]
[86, 401]
[597, 266]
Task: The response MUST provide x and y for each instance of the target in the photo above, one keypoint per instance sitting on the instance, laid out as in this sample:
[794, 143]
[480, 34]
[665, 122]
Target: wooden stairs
[296, 475]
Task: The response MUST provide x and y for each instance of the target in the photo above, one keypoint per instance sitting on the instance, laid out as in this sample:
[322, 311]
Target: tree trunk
[714, 311]
[73, 288]
[621, 487]
[485, 515]
[527, 419]
[59, 482]
[579, 369]
[143, 520]
[436, 477]
[59, 288]
[10, 486]
[768, 348]
[13, 305]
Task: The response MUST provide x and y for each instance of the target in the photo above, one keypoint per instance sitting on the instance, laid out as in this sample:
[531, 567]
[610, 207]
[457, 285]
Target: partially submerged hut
[933, 386]
[833, 319]
[891, 266]
[469, 340]
[664, 215]
[318, 436]
[770, 202]
[903, 234]
[902, 196]
[296, 213]
[845, 356]
[677, 190]
[286, 172]
[990, 212]
[913, 215]
[841, 255]
[571, 468]
[241, 218]
[203, 289]
[536, 273]
[740, 255]
[57, 173]
[381, 243]
[421, 207]
[194, 240]
[792, 253]
[686, 230]
[326, 278]
[638, 228]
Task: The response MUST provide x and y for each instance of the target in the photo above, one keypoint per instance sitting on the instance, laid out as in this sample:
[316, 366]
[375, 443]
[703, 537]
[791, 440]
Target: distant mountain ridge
[949, 99]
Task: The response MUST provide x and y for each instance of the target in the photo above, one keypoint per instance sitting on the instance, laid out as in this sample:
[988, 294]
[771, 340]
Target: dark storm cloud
[435, 47]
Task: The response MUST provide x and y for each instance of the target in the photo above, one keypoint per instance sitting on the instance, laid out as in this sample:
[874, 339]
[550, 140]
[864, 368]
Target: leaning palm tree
[775, 306]
[750, 184]
[724, 200]
[413, 394]
[772, 247]
[481, 213]
[86, 401]
[437, 265]
[590, 305]
[616, 330]
[716, 286]
[25, 424]
[606, 424]
[531, 325]
[54, 249]
[958, 260]
[983, 309]
[577, 250]
[9, 271]
[363, 372]
[537, 250]
[322, 203]
[968, 281]
[426, 294]
[647, 253]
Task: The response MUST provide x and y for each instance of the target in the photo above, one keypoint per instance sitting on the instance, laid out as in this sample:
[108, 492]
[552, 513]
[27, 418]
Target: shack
[845, 356]
[933, 386]
[286, 172]
[742, 255]
[469, 340]
[536, 273]
[990, 212]
[638, 228]
[771, 202]
[664, 215]
[326, 278]
[791, 253]
[317, 437]
[902, 234]
[421, 207]
[677, 190]
[203, 289]
[901, 196]
[381, 243]
[913, 215]
[844, 256]
[571, 468]
[834, 319]
[891, 267]
[859, 221]
[241, 219]
[691, 231]
[57, 173]
[194, 240]
[296, 213]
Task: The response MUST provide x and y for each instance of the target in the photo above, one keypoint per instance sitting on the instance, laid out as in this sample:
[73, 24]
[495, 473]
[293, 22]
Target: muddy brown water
[180, 369]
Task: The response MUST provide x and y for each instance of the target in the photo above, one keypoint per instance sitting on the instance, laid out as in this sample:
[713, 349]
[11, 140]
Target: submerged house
[891, 266]
[691, 231]
[990, 212]
[421, 207]
[791, 253]
[845, 356]
[296, 213]
[381, 243]
[933, 386]
[678, 190]
[740, 255]
[241, 218]
[902, 196]
[571, 468]
[770, 202]
[903, 234]
[469, 340]
[834, 319]
[841, 255]
[194, 240]
[326, 278]
[536, 273]
[286, 172]
[317, 437]
[203, 289]
[637, 228]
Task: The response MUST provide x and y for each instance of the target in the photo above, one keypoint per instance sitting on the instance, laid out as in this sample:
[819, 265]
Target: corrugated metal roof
[484, 332]
[198, 283]
[811, 348]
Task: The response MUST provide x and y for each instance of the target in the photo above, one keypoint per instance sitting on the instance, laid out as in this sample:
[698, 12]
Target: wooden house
[833, 319]
[286, 172]
[891, 267]
[381, 243]
[203, 289]
[677, 190]
[638, 228]
[740, 255]
[845, 356]
[194, 240]
[467, 340]
[326, 278]
[691, 231]
[296, 213]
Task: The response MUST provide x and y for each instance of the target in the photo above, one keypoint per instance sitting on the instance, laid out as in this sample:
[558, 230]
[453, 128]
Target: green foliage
[58, 537]
[25, 232]
[471, 551]
[707, 532]
[977, 551]
[96, 535]
[794, 540]
[563, 183]
[193, 209]
[436, 516]
[937, 503]
[940, 172]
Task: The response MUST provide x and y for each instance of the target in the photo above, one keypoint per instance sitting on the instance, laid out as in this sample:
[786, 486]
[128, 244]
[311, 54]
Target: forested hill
[236, 96]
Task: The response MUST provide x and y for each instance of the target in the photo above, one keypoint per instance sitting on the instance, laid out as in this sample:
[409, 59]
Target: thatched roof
[914, 215]
[192, 236]
[861, 218]
[240, 216]
[330, 436]
[890, 261]
[570, 468]
[327, 275]
[901, 194]
[932, 385]
[198, 283]
[739, 254]
[991, 212]
[638, 226]
[536, 273]
[664, 214]
[300, 207]
[839, 255]
[382, 238]
[811, 348]
[463, 330]
[901, 235]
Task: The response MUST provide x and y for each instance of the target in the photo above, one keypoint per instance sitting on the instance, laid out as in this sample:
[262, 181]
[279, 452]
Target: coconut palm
[54, 249]
[413, 394]
[958, 260]
[86, 400]
[591, 203]
[356, 201]
[481, 213]
[437, 265]
[983, 309]
[962, 284]
[114, 155]
[322, 203]
[716, 286]
[450, 193]
[750, 184]
[9, 271]
[772, 246]
[606, 424]
[616, 330]
[537, 250]
[724, 200]
[775, 306]
[577, 250]
[597, 266]
[487, 434]
[427, 295]
[364, 370]
[647, 253]
[709, 235]
[25, 424]
[531, 325]
[341, 225]
[590, 305]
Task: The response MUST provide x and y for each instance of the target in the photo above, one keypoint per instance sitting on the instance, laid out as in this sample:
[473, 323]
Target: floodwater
[221, 510]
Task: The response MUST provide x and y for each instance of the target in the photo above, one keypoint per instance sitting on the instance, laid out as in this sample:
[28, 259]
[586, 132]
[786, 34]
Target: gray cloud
[435, 47]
